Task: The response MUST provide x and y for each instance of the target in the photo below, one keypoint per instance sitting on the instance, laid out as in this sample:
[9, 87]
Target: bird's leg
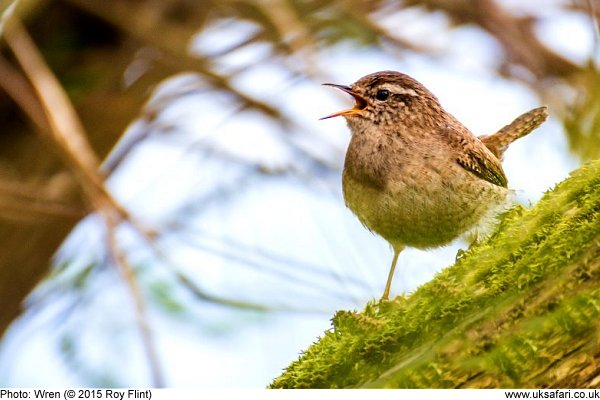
[388, 285]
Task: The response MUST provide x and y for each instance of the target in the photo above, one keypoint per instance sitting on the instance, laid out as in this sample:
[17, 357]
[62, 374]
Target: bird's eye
[382, 94]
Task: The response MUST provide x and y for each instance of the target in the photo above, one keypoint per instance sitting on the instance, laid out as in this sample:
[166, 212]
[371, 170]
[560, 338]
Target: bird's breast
[419, 199]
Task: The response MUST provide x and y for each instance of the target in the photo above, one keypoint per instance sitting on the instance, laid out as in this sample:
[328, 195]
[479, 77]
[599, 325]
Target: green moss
[520, 309]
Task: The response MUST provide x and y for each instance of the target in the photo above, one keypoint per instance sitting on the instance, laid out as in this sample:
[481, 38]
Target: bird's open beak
[360, 105]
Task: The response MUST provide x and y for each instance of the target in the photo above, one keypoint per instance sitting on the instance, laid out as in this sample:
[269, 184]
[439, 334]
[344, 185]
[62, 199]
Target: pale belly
[422, 212]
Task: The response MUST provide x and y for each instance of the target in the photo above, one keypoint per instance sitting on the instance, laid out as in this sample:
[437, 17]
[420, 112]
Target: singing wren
[414, 174]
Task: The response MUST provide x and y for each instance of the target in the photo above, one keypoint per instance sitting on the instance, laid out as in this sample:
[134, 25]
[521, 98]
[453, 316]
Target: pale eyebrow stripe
[397, 89]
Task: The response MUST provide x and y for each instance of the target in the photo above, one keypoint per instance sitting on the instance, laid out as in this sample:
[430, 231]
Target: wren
[414, 174]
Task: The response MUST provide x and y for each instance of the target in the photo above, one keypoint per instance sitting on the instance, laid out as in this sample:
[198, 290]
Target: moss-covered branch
[520, 310]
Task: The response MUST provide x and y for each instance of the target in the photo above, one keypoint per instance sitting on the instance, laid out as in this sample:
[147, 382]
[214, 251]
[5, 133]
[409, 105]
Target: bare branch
[21, 201]
[515, 34]
[120, 259]
[20, 90]
[66, 130]
[173, 41]
[66, 127]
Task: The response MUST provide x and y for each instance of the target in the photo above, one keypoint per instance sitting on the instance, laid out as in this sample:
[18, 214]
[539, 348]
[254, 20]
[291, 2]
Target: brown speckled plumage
[413, 173]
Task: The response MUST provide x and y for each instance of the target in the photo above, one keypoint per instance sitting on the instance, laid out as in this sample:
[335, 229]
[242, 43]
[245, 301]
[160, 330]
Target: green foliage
[582, 121]
[519, 310]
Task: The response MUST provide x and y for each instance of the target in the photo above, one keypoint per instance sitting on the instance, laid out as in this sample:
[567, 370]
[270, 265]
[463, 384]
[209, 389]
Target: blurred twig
[120, 260]
[595, 17]
[515, 34]
[67, 133]
[173, 41]
[363, 19]
[18, 200]
[243, 255]
[20, 90]
[200, 294]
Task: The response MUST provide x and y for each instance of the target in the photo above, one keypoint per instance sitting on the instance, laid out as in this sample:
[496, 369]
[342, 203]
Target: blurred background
[170, 205]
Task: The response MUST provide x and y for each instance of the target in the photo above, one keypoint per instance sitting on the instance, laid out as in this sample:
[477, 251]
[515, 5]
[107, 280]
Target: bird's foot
[461, 253]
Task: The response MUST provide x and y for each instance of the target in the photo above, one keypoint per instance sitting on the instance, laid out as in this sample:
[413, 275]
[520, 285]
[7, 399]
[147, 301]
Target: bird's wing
[472, 154]
[485, 166]
[521, 126]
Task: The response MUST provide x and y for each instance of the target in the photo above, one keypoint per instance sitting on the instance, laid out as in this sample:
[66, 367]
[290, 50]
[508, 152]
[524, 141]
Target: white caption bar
[263, 394]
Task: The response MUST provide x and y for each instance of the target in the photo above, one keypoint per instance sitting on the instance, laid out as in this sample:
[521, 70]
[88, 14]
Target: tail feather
[498, 142]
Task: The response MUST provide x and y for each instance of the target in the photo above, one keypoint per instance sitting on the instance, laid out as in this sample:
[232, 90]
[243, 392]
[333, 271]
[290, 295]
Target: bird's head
[387, 98]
